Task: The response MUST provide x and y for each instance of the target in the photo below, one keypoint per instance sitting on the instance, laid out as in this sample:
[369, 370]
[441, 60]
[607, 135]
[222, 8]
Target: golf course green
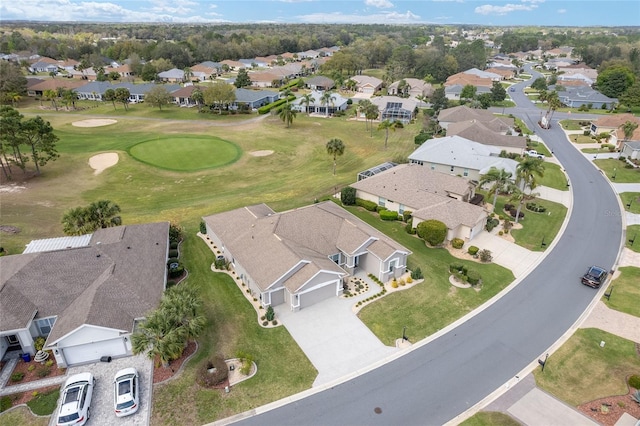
[186, 153]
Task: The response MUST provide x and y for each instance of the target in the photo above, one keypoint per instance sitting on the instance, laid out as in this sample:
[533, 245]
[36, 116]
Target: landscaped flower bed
[30, 371]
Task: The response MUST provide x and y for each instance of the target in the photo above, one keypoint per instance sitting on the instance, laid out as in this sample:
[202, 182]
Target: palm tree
[306, 100]
[326, 99]
[528, 170]
[516, 194]
[371, 113]
[386, 125]
[628, 128]
[335, 147]
[51, 95]
[187, 74]
[182, 305]
[287, 114]
[198, 97]
[363, 104]
[104, 214]
[77, 222]
[500, 179]
[158, 339]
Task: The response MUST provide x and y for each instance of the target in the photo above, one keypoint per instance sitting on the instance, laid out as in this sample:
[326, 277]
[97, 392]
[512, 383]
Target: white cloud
[380, 4]
[378, 18]
[562, 11]
[489, 9]
[71, 10]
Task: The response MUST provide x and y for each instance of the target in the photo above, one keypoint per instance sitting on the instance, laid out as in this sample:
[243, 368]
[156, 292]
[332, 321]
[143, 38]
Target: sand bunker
[101, 162]
[94, 122]
[262, 153]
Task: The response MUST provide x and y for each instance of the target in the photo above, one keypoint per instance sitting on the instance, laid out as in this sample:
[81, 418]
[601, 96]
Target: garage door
[92, 352]
[315, 296]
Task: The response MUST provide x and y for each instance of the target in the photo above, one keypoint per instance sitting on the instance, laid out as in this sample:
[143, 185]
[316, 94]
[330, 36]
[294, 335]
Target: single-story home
[577, 96]
[42, 66]
[611, 122]
[301, 257]
[480, 132]
[318, 106]
[94, 91]
[320, 83]
[255, 98]
[367, 84]
[393, 108]
[502, 125]
[412, 87]
[39, 88]
[84, 294]
[427, 194]
[458, 156]
[631, 150]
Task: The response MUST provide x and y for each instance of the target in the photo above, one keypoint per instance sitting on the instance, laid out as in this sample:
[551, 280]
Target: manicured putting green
[186, 153]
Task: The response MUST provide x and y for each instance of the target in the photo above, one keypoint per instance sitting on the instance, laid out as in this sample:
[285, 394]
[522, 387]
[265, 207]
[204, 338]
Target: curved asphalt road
[440, 380]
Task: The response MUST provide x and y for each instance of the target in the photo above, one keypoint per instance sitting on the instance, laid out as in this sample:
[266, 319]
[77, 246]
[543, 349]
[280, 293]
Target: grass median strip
[625, 292]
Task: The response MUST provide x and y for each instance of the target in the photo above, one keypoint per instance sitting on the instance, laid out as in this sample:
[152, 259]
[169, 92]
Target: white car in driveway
[126, 392]
[75, 404]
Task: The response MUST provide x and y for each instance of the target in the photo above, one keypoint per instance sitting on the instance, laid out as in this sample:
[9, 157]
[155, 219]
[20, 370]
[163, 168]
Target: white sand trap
[94, 122]
[101, 162]
[262, 153]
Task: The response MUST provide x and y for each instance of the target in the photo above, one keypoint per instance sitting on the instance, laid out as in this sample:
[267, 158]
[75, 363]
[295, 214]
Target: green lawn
[554, 177]
[631, 201]
[45, 403]
[186, 153]
[490, 418]
[633, 234]
[232, 326]
[23, 417]
[541, 148]
[581, 370]
[434, 303]
[579, 138]
[617, 172]
[298, 172]
[571, 124]
[599, 150]
[536, 226]
[625, 291]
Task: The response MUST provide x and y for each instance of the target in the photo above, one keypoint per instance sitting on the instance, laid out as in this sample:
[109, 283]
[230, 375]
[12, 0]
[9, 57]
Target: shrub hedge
[473, 277]
[348, 196]
[388, 215]
[457, 243]
[366, 204]
[473, 250]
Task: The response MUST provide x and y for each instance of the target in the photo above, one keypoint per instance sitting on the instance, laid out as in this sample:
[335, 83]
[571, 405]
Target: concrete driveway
[334, 339]
[102, 402]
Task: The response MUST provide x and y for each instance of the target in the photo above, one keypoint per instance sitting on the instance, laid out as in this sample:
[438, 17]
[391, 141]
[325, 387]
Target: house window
[381, 201]
[401, 208]
[335, 258]
[465, 172]
[393, 265]
[45, 325]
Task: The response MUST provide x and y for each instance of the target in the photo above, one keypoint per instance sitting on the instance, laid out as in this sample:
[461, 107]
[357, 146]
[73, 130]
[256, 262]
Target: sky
[481, 12]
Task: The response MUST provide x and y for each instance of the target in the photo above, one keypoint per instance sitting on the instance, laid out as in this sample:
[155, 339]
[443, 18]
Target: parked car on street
[75, 404]
[125, 392]
[595, 277]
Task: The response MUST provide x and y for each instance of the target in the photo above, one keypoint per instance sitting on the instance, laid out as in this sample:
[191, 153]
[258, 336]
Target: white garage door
[92, 352]
[318, 295]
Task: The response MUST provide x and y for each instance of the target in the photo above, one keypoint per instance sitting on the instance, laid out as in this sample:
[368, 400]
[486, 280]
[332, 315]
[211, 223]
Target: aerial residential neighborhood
[253, 223]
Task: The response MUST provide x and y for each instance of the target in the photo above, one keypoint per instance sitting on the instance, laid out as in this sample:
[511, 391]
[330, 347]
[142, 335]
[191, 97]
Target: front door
[13, 342]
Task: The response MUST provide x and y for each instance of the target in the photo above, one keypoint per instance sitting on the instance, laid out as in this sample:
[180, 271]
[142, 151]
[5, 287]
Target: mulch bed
[607, 411]
[160, 373]
[35, 373]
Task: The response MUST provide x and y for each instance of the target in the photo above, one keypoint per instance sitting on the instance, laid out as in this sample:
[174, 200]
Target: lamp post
[543, 244]
[615, 171]
[404, 333]
[633, 240]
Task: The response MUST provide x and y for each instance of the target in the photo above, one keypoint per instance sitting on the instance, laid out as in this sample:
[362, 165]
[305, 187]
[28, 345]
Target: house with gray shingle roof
[254, 98]
[464, 113]
[86, 299]
[477, 131]
[458, 156]
[576, 96]
[301, 257]
[427, 194]
[319, 82]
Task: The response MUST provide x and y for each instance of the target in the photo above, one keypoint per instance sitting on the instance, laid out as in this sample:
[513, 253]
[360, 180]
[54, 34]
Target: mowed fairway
[186, 153]
[298, 172]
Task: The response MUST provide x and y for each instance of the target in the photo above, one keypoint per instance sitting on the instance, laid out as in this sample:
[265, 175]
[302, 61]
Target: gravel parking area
[102, 402]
